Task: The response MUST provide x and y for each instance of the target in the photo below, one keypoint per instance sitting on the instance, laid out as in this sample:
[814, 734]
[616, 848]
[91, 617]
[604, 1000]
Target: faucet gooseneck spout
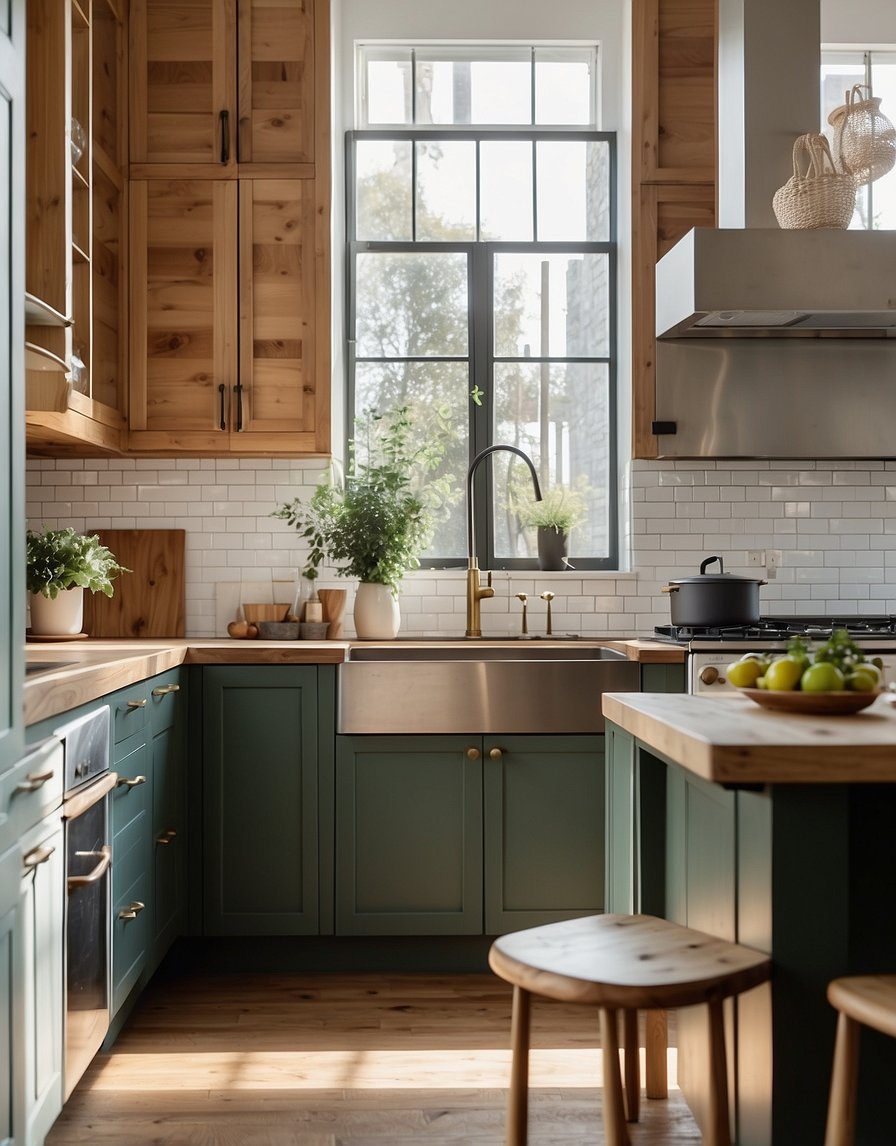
[475, 592]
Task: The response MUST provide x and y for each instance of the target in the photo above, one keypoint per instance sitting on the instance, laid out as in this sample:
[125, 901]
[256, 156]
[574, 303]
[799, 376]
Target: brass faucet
[475, 590]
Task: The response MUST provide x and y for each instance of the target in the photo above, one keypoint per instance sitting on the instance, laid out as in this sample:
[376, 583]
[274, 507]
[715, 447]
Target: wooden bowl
[841, 703]
[256, 613]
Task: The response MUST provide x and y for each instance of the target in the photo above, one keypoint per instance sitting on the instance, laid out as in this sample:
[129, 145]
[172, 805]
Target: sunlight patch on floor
[356, 1070]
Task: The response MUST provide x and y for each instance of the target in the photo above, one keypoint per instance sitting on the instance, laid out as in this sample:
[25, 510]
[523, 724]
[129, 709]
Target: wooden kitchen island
[777, 831]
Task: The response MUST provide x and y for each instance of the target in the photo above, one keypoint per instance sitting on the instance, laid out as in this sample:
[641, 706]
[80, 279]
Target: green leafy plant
[59, 559]
[376, 522]
[562, 507]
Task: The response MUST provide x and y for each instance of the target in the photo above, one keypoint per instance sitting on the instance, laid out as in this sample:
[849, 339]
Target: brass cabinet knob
[164, 689]
[36, 857]
[137, 703]
[33, 781]
[166, 837]
[473, 753]
[495, 753]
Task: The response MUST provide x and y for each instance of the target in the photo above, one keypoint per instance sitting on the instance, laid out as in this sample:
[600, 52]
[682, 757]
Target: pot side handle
[709, 561]
[675, 588]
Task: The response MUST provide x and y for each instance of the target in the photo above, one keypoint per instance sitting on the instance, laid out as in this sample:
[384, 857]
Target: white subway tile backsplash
[834, 523]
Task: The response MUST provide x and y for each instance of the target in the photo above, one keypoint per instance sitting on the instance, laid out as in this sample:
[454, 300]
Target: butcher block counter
[777, 831]
[734, 741]
[90, 669]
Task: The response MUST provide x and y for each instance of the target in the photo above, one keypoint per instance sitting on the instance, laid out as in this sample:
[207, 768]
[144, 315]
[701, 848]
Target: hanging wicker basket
[816, 195]
[864, 139]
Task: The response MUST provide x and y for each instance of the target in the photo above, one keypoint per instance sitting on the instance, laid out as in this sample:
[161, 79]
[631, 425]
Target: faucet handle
[548, 596]
[524, 597]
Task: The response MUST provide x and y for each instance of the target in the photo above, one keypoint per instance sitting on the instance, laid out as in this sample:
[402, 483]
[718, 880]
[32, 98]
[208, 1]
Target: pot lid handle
[709, 561]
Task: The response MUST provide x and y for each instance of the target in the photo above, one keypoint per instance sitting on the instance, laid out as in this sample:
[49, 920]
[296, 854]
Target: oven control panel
[706, 669]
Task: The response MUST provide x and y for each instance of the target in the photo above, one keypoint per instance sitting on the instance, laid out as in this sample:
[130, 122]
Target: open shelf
[40, 313]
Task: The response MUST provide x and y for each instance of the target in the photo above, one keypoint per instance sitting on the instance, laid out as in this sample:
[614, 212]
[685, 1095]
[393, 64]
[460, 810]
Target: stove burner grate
[781, 629]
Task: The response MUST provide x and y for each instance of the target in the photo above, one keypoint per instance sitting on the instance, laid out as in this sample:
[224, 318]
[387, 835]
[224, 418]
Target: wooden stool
[623, 964]
[860, 999]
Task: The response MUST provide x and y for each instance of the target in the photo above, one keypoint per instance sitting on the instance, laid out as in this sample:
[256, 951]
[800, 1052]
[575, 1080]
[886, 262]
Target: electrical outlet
[772, 562]
[755, 556]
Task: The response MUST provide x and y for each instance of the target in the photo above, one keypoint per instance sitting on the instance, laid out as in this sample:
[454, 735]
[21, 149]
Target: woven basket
[864, 139]
[816, 195]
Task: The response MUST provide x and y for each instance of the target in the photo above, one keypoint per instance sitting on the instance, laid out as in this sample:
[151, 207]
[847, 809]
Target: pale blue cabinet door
[12, 379]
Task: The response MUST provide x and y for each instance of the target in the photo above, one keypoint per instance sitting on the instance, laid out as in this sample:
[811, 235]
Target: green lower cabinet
[408, 835]
[131, 869]
[260, 807]
[544, 830]
[467, 835]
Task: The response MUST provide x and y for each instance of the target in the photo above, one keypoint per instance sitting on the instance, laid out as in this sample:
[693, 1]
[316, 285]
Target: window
[840, 70]
[482, 277]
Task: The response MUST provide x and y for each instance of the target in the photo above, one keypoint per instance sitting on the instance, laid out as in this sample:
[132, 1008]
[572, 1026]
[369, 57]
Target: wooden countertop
[90, 669]
[734, 741]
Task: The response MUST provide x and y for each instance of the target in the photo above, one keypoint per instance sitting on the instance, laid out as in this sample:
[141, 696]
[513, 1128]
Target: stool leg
[657, 1040]
[614, 1106]
[518, 1096]
[718, 1129]
[841, 1127]
[632, 1065]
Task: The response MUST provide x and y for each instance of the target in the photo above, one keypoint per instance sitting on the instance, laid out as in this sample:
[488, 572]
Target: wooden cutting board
[148, 602]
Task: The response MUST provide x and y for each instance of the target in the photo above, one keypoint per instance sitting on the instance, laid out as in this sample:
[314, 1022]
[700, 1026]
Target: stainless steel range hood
[764, 282]
[806, 365]
[750, 278]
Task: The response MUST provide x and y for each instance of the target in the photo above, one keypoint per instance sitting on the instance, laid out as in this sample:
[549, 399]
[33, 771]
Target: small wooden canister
[333, 601]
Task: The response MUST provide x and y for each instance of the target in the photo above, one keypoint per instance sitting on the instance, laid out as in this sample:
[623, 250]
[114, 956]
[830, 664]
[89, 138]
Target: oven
[88, 857]
[711, 650]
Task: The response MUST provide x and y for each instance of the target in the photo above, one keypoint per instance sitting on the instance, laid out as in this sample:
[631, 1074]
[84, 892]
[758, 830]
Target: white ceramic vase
[60, 616]
[376, 613]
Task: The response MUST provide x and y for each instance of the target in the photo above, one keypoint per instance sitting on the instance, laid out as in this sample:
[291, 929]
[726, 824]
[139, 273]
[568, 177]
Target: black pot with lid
[712, 599]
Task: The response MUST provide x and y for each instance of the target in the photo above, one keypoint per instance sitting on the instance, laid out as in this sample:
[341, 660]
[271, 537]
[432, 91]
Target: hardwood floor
[333, 1059]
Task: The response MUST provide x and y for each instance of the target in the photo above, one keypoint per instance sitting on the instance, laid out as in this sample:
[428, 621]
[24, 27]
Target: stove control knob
[709, 674]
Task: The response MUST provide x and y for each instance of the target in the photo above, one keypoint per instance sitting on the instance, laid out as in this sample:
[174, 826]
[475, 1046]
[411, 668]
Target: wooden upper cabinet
[222, 83]
[195, 386]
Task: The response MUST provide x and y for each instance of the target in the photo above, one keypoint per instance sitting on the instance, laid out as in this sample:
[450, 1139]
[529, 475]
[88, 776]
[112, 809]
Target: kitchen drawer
[166, 700]
[130, 710]
[131, 796]
[130, 937]
[31, 790]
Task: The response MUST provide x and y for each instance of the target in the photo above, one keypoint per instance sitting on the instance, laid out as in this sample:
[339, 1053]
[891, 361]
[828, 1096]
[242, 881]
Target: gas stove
[711, 650]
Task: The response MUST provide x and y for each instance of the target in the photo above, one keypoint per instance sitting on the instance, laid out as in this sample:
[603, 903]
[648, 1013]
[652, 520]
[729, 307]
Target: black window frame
[481, 340]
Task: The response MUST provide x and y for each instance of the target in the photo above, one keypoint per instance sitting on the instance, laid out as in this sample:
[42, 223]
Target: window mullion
[481, 382]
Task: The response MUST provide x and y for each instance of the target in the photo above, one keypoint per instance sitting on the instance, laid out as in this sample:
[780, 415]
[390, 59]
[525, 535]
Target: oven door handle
[105, 858]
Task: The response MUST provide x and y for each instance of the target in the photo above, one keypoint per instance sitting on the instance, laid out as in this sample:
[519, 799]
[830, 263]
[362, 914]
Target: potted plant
[560, 510]
[61, 564]
[376, 521]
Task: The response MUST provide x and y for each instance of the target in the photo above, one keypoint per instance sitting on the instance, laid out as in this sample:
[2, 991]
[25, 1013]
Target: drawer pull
[137, 703]
[37, 856]
[132, 910]
[167, 837]
[104, 855]
[125, 782]
[473, 753]
[34, 780]
[495, 753]
[164, 689]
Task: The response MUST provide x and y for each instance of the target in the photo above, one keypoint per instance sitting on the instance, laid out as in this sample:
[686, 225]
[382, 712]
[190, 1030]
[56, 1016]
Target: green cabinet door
[260, 784]
[12, 983]
[544, 829]
[408, 835]
[132, 892]
[12, 380]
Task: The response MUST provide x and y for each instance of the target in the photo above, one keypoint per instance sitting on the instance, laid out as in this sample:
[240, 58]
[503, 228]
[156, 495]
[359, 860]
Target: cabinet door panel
[276, 81]
[182, 78]
[277, 306]
[183, 306]
[544, 836]
[408, 836]
[260, 801]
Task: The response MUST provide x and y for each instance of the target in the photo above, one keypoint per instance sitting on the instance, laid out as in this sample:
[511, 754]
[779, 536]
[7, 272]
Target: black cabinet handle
[224, 116]
[238, 390]
[222, 390]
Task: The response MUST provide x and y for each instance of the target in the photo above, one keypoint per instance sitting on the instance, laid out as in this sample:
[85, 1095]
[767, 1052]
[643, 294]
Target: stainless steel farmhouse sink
[522, 687]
